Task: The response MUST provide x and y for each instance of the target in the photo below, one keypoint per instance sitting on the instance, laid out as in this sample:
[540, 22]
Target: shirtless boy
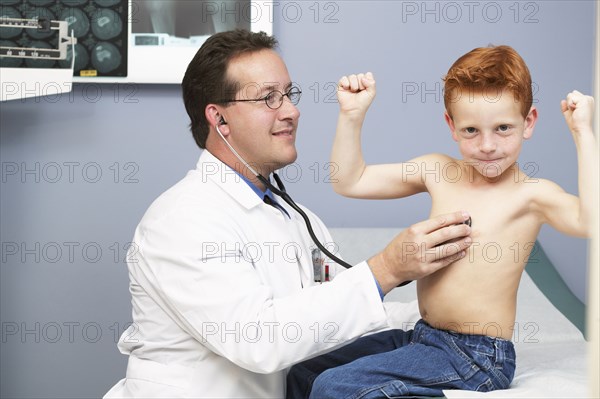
[467, 309]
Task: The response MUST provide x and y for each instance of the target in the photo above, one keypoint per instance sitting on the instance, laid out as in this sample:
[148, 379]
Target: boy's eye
[470, 130]
[503, 128]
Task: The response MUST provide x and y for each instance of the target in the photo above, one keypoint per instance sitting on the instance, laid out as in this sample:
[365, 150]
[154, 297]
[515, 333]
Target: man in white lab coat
[222, 281]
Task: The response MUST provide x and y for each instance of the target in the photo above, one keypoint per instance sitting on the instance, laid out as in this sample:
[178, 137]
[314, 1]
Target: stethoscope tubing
[282, 193]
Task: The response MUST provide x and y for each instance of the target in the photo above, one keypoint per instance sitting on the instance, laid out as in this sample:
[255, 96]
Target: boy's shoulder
[440, 163]
[542, 187]
[535, 191]
[529, 179]
[435, 157]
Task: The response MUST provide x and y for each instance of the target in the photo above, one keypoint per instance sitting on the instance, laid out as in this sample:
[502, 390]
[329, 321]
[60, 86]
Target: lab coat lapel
[225, 177]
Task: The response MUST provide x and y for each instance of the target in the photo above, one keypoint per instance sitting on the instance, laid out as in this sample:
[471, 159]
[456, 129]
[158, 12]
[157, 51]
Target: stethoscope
[282, 193]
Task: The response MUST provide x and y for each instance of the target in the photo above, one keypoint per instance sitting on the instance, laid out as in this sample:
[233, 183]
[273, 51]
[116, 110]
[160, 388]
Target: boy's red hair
[489, 68]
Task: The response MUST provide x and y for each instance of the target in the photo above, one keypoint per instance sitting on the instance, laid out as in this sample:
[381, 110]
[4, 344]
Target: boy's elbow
[584, 229]
[342, 189]
[588, 230]
[349, 184]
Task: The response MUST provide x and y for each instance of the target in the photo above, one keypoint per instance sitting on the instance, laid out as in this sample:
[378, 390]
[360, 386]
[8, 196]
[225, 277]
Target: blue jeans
[398, 363]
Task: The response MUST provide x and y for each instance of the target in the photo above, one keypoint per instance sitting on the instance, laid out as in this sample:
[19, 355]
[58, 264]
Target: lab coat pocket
[138, 388]
[149, 379]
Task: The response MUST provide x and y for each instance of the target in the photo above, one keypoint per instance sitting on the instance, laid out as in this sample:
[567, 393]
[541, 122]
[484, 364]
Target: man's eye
[272, 97]
[293, 94]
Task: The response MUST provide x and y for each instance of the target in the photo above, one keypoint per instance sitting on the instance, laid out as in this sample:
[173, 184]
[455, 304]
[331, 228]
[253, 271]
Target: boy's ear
[530, 121]
[450, 123]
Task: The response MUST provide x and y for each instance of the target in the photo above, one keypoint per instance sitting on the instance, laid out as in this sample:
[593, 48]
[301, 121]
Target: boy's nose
[487, 144]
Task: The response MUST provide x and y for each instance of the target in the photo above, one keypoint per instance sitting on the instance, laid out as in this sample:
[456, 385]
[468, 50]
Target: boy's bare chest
[501, 216]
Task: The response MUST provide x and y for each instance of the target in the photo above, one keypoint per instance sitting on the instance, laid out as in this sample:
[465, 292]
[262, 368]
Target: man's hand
[422, 249]
[578, 110]
[356, 92]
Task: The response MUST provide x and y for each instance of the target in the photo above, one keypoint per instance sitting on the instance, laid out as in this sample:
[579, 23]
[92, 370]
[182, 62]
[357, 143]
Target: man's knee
[326, 385]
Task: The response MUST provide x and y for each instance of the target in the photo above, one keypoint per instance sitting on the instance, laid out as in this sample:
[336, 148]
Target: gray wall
[78, 171]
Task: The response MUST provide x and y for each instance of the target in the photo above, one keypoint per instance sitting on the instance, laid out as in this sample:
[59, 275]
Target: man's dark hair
[205, 79]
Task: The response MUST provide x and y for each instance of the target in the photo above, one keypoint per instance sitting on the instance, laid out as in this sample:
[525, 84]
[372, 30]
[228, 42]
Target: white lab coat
[223, 294]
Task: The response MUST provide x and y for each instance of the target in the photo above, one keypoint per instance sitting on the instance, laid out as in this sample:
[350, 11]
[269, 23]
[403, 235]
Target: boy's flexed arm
[565, 212]
[578, 110]
[353, 177]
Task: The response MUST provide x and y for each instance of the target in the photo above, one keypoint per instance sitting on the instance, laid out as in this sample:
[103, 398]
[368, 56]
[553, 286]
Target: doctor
[223, 290]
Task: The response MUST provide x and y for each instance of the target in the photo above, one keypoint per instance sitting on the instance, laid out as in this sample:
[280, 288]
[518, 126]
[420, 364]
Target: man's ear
[450, 124]
[530, 121]
[213, 116]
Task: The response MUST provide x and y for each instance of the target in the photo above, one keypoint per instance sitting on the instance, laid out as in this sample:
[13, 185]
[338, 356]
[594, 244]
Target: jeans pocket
[500, 369]
[485, 360]
[397, 389]
[486, 386]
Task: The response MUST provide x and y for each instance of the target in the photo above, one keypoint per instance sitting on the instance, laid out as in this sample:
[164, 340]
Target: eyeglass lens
[274, 99]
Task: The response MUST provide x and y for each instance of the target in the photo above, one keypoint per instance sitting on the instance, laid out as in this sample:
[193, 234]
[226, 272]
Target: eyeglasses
[274, 99]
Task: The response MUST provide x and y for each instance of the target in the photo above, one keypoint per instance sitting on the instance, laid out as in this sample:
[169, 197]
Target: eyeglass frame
[286, 94]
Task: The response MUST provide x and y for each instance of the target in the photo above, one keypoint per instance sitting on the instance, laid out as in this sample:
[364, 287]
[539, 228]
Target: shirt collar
[257, 190]
[261, 194]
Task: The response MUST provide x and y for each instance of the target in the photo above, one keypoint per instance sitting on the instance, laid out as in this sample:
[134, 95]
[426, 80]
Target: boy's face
[489, 129]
